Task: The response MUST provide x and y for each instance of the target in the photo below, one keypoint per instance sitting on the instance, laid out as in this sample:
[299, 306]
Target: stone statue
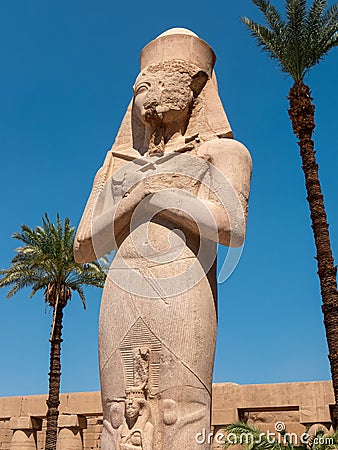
[174, 184]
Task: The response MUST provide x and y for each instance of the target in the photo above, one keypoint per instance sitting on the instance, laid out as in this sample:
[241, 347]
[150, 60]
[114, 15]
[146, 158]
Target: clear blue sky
[67, 68]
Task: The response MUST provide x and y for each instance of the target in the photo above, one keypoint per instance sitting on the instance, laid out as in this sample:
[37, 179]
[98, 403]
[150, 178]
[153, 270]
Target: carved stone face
[162, 96]
[132, 409]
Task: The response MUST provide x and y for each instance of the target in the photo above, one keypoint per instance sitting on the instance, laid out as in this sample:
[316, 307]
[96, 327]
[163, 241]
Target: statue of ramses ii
[174, 184]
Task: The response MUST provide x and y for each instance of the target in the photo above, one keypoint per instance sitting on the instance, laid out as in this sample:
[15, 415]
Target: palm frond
[327, 39]
[264, 37]
[300, 41]
[78, 288]
[45, 259]
[41, 284]
[88, 279]
[314, 19]
[272, 15]
[296, 14]
[330, 17]
[250, 436]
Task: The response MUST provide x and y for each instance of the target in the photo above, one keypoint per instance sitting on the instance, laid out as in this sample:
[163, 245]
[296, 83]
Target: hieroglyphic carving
[140, 351]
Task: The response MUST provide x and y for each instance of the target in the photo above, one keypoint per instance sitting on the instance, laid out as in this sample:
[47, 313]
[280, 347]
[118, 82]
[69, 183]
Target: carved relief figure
[173, 185]
[136, 431]
[133, 430]
[141, 366]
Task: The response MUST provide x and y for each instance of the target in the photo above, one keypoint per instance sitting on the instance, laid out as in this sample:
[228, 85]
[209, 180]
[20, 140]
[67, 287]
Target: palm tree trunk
[301, 113]
[54, 380]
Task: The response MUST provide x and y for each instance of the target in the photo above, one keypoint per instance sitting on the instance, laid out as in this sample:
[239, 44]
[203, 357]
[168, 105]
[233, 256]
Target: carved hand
[136, 194]
[84, 233]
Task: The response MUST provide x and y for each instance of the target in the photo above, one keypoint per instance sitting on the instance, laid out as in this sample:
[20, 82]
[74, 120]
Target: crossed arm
[219, 216]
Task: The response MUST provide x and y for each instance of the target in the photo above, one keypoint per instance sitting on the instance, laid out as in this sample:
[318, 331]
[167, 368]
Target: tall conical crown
[180, 44]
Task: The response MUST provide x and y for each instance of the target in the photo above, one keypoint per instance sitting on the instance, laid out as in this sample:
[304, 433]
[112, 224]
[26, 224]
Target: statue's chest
[171, 171]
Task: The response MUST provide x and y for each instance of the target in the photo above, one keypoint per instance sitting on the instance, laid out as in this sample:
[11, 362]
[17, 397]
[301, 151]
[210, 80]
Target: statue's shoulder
[117, 159]
[219, 151]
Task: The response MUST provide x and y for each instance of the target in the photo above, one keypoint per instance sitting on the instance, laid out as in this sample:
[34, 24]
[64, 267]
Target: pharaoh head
[164, 92]
[136, 406]
[175, 95]
[133, 408]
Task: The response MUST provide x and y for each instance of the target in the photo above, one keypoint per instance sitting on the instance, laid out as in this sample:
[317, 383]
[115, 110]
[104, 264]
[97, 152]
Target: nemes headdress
[208, 119]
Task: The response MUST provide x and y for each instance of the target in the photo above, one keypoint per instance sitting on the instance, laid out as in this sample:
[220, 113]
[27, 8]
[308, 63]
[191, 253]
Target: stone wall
[299, 406]
[80, 421]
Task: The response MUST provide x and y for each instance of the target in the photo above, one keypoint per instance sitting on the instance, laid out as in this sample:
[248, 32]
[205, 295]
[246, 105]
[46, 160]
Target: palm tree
[45, 261]
[298, 43]
[252, 438]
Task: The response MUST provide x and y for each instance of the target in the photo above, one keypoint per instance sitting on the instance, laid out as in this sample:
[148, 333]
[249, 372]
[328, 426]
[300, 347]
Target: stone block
[34, 405]
[10, 407]
[72, 421]
[315, 414]
[83, 403]
[224, 416]
[25, 423]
